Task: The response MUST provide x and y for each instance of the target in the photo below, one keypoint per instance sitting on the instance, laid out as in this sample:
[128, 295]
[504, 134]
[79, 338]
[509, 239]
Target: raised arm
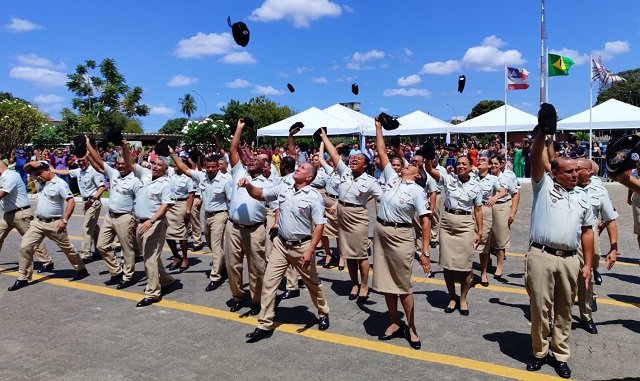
[429, 153]
[321, 159]
[331, 150]
[291, 147]
[219, 146]
[380, 145]
[234, 150]
[179, 163]
[253, 191]
[126, 155]
[94, 157]
[537, 150]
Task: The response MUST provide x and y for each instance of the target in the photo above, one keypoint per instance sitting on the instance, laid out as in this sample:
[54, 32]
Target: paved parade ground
[60, 330]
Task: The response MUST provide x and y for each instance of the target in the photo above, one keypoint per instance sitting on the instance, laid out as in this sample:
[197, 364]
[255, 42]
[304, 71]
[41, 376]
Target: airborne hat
[296, 126]
[388, 122]
[162, 148]
[80, 146]
[623, 154]
[354, 89]
[114, 136]
[290, 87]
[240, 32]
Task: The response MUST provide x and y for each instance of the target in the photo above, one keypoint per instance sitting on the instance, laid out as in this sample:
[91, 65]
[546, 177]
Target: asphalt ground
[60, 330]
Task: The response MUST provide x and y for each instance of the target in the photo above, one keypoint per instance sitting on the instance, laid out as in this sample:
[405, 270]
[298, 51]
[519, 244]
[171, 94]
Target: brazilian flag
[559, 65]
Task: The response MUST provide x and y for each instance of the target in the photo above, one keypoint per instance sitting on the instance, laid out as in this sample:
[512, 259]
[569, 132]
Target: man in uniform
[51, 221]
[299, 232]
[91, 186]
[15, 205]
[153, 200]
[561, 220]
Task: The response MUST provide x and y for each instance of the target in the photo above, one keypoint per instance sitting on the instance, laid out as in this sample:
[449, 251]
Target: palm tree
[188, 105]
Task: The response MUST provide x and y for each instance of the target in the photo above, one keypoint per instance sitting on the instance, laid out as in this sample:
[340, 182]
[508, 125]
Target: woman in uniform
[459, 236]
[332, 184]
[183, 189]
[320, 184]
[393, 242]
[503, 213]
[356, 187]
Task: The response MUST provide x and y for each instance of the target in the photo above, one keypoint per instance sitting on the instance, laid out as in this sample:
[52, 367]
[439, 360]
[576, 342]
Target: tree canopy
[173, 126]
[483, 107]
[188, 105]
[262, 110]
[19, 121]
[627, 91]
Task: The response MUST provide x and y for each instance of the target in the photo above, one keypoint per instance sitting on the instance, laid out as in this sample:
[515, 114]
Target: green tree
[173, 126]
[483, 107]
[188, 105]
[19, 121]
[133, 126]
[200, 133]
[627, 91]
[101, 98]
[50, 135]
[262, 110]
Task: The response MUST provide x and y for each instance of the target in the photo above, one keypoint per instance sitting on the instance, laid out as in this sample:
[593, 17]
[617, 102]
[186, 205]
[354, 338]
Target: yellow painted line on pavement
[335, 338]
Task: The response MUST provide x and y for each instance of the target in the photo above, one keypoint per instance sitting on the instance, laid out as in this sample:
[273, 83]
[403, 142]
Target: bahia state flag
[517, 78]
[559, 65]
[600, 73]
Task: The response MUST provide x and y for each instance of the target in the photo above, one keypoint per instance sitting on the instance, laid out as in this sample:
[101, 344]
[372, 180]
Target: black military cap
[290, 87]
[428, 151]
[316, 135]
[162, 148]
[547, 119]
[296, 127]
[114, 136]
[80, 146]
[240, 32]
[461, 81]
[354, 89]
[388, 122]
[344, 151]
[623, 154]
[248, 121]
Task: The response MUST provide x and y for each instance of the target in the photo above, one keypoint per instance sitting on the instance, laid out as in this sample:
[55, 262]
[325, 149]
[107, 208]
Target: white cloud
[203, 45]
[347, 8]
[40, 76]
[383, 109]
[407, 92]
[578, 58]
[367, 56]
[409, 81]
[616, 47]
[493, 41]
[268, 90]
[347, 78]
[35, 60]
[50, 98]
[490, 58]
[300, 70]
[300, 12]
[238, 58]
[357, 66]
[21, 25]
[407, 52]
[181, 80]
[237, 83]
[441, 67]
[161, 110]
[319, 80]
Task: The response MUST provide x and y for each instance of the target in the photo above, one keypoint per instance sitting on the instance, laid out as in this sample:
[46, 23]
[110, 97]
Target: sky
[404, 55]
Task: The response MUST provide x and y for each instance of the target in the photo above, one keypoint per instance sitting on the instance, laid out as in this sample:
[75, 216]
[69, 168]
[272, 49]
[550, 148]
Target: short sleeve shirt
[399, 202]
[181, 186]
[214, 191]
[490, 185]
[332, 186]
[152, 194]
[300, 210]
[16, 192]
[88, 181]
[461, 195]
[357, 191]
[52, 197]
[321, 179]
[244, 209]
[509, 183]
[122, 193]
[600, 202]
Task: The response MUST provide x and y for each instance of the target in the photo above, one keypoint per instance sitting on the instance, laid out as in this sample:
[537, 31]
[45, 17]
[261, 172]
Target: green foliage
[487, 138]
[188, 105]
[133, 126]
[101, 99]
[173, 126]
[201, 133]
[627, 91]
[19, 121]
[582, 136]
[50, 136]
[262, 110]
[483, 107]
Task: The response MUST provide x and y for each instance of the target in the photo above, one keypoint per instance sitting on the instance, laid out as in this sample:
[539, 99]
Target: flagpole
[590, 108]
[546, 78]
[542, 63]
[506, 88]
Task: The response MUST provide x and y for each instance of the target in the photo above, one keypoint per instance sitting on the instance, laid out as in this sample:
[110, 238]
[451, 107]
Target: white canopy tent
[352, 117]
[610, 115]
[312, 119]
[416, 123]
[493, 121]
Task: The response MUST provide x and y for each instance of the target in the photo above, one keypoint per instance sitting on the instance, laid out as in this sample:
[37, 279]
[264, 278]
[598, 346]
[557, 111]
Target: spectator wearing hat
[19, 158]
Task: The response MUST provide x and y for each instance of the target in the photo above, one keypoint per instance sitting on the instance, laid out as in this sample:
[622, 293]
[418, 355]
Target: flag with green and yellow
[559, 65]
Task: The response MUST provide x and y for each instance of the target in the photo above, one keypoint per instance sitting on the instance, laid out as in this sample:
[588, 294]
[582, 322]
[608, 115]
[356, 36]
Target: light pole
[205, 102]
[454, 111]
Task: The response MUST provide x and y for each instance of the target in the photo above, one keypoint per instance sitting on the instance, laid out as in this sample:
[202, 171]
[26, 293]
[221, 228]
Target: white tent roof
[493, 121]
[416, 123]
[610, 115]
[350, 116]
[312, 119]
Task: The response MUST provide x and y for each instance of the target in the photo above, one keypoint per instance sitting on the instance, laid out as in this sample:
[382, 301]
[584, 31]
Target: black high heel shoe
[354, 296]
[362, 299]
[395, 334]
[176, 266]
[449, 310]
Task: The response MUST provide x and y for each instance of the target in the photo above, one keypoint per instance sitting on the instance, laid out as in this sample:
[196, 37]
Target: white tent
[416, 123]
[352, 117]
[493, 121]
[312, 119]
[610, 115]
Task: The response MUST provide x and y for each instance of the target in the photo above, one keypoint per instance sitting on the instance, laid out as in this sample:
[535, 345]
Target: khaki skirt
[353, 231]
[635, 207]
[177, 228]
[331, 227]
[393, 259]
[456, 241]
[501, 232]
[487, 221]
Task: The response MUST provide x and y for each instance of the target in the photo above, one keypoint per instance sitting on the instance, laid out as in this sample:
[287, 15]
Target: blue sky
[404, 55]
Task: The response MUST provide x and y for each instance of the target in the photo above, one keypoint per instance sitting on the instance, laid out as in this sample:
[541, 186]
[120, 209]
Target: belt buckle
[457, 212]
[560, 253]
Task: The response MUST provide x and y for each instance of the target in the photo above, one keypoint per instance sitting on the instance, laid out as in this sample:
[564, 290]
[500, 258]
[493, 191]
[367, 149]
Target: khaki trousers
[214, 228]
[21, 221]
[292, 276]
[437, 213]
[33, 238]
[90, 229]
[241, 242]
[587, 295]
[117, 227]
[151, 244]
[284, 256]
[196, 225]
[551, 283]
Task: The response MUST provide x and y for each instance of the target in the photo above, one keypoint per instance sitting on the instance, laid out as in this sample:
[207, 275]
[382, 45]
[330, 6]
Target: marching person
[119, 221]
[299, 231]
[183, 189]
[353, 216]
[91, 185]
[393, 242]
[459, 236]
[196, 211]
[16, 208]
[320, 184]
[51, 222]
[153, 200]
[332, 193]
[436, 208]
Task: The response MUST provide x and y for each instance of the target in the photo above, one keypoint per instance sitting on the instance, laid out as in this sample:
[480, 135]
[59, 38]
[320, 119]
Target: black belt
[297, 242]
[88, 199]
[552, 251]
[394, 224]
[47, 220]
[457, 211]
[438, 192]
[196, 196]
[17, 210]
[116, 215]
[209, 214]
[502, 202]
[141, 220]
[317, 186]
[332, 196]
[350, 205]
[241, 226]
[182, 199]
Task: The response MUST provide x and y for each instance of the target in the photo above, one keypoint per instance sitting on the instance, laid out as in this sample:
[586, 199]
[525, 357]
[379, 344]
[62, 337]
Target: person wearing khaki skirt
[459, 236]
[331, 195]
[356, 186]
[393, 242]
[178, 216]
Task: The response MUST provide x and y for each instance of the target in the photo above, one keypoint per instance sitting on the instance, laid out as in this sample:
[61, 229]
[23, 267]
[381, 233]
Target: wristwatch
[152, 220]
[427, 254]
[65, 220]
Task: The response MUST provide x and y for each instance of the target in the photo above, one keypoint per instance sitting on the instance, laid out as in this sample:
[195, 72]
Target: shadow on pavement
[525, 308]
[513, 344]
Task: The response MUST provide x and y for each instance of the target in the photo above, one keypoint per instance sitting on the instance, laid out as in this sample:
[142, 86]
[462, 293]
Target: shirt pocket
[50, 193]
[303, 208]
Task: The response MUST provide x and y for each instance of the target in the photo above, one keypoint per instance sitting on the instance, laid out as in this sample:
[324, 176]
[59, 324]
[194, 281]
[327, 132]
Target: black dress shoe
[464, 312]
[214, 284]
[497, 277]
[395, 334]
[340, 268]
[589, 326]
[562, 368]
[323, 322]
[484, 284]
[258, 335]
[449, 310]
[363, 298]
[80, 275]
[536, 363]
[354, 296]
[414, 344]
[116, 279]
[46, 268]
[86, 260]
[326, 265]
[147, 302]
[18, 285]
[124, 284]
[289, 294]
[598, 279]
[255, 309]
[594, 306]
[237, 305]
